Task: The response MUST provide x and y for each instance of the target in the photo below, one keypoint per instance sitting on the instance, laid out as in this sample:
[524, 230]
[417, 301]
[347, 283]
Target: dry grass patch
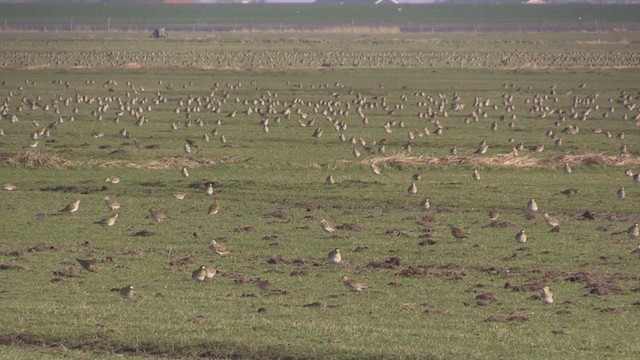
[32, 158]
[506, 160]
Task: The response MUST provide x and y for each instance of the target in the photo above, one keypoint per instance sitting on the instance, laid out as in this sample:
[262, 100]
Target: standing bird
[475, 175]
[112, 204]
[266, 286]
[126, 292]
[458, 233]
[352, 284]
[521, 237]
[214, 208]
[185, 172]
[620, 193]
[210, 272]
[327, 227]
[532, 206]
[494, 214]
[108, 221]
[546, 295]
[425, 204]
[551, 221]
[330, 180]
[209, 190]
[71, 207]
[633, 231]
[89, 265]
[199, 274]
[334, 256]
[158, 215]
[218, 249]
[375, 169]
[567, 168]
[413, 189]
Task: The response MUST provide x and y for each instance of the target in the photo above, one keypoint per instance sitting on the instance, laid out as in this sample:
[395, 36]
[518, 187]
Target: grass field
[429, 295]
[312, 14]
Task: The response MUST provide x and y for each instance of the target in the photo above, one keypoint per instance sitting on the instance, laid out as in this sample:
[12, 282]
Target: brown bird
[334, 256]
[210, 272]
[620, 193]
[532, 206]
[475, 175]
[546, 296]
[326, 226]
[218, 249]
[413, 189]
[266, 286]
[571, 192]
[494, 214]
[214, 208]
[458, 233]
[521, 237]
[352, 284]
[636, 250]
[158, 215]
[633, 232]
[330, 180]
[71, 207]
[89, 265]
[112, 204]
[126, 292]
[108, 221]
[200, 274]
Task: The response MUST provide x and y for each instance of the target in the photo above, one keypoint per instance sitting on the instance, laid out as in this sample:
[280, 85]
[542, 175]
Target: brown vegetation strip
[506, 160]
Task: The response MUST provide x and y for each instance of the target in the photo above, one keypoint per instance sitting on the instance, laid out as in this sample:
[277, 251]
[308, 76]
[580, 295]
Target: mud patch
[74, 189]
[388, 263]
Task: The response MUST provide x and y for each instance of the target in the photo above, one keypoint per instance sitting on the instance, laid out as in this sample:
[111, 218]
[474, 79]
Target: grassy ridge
[315, 14]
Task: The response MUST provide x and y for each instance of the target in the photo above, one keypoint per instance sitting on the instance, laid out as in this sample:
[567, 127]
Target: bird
[352, 284]
[71, 207]
[375, 169]
[108, 221]
[179, 195]
[482, 149]
[494, 214]
[10, 187]
[532, 206]
[112, 179]
[636, 250]
[158, 215]
[571, 192]
[425, 204]
[453, 151]
[620, 193]
[218, 249]
[267, 287]
[126, 292]
[89, 265]
[416, 177]
[185, 172]
[326, 226]
[214, 208]
[210, 272]
[550, 221]
[112, 204]
[521, 237]
[475, 175]
[413, 189]
[457, 232]
[209, 190]
[633, 231]
[330, 180]
[567, 168]
[546, 296]
[200, 274]
[334, 256]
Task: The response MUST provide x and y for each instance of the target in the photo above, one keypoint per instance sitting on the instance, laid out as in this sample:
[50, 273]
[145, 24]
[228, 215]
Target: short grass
[429, 296]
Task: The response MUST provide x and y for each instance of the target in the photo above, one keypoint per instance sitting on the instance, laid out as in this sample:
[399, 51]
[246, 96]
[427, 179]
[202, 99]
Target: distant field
[313, 15]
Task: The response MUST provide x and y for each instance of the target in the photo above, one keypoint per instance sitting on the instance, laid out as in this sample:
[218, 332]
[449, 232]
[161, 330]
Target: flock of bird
[338, 111]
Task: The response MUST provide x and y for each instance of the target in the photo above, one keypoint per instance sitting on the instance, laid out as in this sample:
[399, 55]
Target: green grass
[272, 191]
